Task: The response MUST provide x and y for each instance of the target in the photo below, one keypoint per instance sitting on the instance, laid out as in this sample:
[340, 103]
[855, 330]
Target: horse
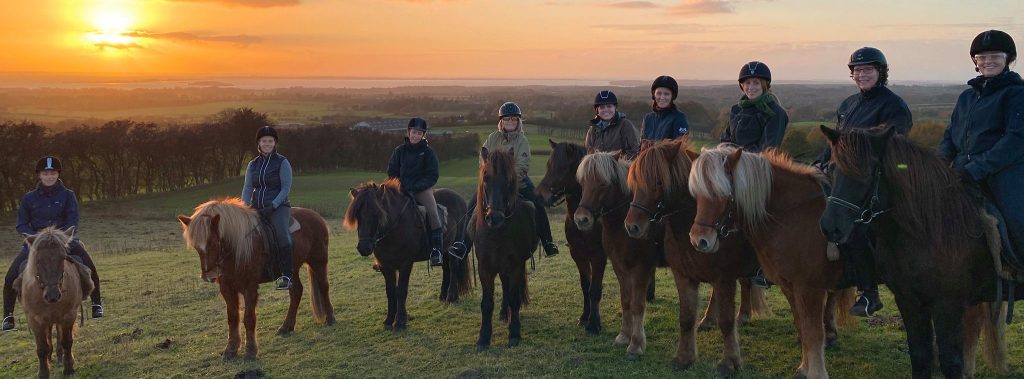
[933, 245]
[657, 179]
[560, 183]
[605, 201]
[503, 230]
[390, 227]
[230, 240]
[51, 290]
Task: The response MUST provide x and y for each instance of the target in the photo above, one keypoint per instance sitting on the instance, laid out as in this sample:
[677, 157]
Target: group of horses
[713, 216]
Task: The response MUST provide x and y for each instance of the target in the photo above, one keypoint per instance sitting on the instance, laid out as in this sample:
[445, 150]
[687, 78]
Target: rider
[757, 122]
[986, 131]
[50, 204]
[875, 105]
[415, 165]
[610, 130]
[268, 179]
[510, 135]
[665, 121]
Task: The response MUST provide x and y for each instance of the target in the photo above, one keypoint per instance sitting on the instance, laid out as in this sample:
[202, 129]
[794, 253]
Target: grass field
[153, 294]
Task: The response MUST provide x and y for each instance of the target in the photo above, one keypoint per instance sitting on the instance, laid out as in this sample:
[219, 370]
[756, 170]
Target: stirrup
[436, 258]
[11, 319]
[97, 310]
[284, 283]
[458, 250]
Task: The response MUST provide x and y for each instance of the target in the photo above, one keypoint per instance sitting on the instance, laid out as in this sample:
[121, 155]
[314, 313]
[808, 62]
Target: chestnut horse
[504, 232]
[390, 227]
[657, 178]
[228, 236]
[51, 291]
[932, 245]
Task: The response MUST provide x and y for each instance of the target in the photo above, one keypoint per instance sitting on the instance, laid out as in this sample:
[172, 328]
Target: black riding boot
[867, 303]
[436, 247]
[8, 324]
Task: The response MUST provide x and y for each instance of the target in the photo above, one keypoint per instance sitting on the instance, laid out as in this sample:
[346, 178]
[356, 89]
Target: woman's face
[990, 63]
[751, 87]
[662, 97]
[49, 177]
[267, 144]
[606, 111]
[509, 123]
[415, 135]
[865, 76]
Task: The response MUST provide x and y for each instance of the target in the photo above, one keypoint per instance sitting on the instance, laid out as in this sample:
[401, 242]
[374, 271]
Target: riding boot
[867, 303]
[97, 310]
[760, 280]
[8, 324]
[550, 249]
[436, 247]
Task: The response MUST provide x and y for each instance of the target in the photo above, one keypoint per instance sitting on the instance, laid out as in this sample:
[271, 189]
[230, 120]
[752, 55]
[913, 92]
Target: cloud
[248, 3]
[634, 5]
[240, 39]
[117, 45]
[673, 28]
[698, 7]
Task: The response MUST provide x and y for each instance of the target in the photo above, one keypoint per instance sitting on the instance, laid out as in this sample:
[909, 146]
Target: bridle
[724, 225]
[659, 212]
[384, 230]
[868, 212]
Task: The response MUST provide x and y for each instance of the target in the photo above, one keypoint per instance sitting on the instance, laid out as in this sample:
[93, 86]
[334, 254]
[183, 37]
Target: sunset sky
[529, 39]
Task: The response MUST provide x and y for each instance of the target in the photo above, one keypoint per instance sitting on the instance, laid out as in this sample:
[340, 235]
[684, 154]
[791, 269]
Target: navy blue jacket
[415, 166]
[754, 130]
[47, 206]
[986, 130]
[876, 107]
[664, 124]
[268, 180]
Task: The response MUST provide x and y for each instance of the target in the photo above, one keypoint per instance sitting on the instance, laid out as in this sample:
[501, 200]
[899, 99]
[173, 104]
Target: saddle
[271, 271]
[1008, 262]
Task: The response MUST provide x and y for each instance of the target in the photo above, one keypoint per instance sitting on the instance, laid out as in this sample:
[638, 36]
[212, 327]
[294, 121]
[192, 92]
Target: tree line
[125, 157]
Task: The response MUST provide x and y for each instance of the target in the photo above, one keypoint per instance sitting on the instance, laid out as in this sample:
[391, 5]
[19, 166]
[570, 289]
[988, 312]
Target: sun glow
[113, 27]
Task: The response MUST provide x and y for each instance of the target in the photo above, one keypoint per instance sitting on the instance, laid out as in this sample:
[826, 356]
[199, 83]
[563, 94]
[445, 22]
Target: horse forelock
[369, 195]
[46, 242]
[749, 186]
[651, 168]
[501, 165]
[237, 224]
[603, 169]
[851, 152]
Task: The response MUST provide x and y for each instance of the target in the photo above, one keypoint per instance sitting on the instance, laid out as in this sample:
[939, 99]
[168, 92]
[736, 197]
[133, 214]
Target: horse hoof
[69, 372]
[480, 348]
[330, 321]
[707, 325]
[621, 340]
[726, 370]
[742, 321]
[593, 332]
[513, 342]
[678, 365]
[230, 355]
[800, 375]
[284, 332]
[249, 357]
[831, 343]
[632, 356]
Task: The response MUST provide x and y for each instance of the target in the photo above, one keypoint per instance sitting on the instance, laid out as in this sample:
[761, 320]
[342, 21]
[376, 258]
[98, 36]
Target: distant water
[262, 83]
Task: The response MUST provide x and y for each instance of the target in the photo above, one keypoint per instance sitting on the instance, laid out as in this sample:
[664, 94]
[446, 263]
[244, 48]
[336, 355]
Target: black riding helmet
[48, 162]
[605, 97]
[755, 69]
[994, 40]
[266, 131]
[665, 81]
[874, 57]
[509, 109]
[418, 124]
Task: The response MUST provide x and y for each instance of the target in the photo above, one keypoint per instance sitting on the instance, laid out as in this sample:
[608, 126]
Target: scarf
[763, 103]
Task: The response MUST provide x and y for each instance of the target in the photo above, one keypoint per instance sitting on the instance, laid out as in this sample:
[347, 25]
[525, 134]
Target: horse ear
[184, 220]
[483, 154]
[831, 134]
[351, 192]
[215, 223]
[733, 160]
[619, 154]
[889, 132]
[29, 239]
[71, 231]
[553, 144]
[691, 154]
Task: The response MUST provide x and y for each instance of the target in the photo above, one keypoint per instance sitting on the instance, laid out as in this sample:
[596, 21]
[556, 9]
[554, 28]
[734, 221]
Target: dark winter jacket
[268, 180]
[986, 130]
[664, 124]
[415, 166]
[42, 207]
[619, 134]
[755, 130]
[876, 107]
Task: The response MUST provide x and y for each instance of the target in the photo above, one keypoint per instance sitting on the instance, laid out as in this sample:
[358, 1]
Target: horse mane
[351, 220]
[237, 223]
[49, 236]
[651, 168]
[752, 177]
[502, 164]
[926, 198]
[602, 168]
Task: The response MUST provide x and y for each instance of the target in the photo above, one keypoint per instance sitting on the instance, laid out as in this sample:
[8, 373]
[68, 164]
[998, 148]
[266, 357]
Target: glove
[266, 212]
[963, 175]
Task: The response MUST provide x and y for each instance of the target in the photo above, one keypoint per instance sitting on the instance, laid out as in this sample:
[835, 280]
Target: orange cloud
[634, 5]
[696, 7]
[249, 3]
[240, 39]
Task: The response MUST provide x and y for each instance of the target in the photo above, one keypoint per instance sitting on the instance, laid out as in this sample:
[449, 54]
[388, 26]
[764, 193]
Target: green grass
[153, 294]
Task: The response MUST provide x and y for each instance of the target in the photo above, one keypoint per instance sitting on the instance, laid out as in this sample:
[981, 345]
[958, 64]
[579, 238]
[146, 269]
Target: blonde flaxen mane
[604, 168]
[237, 224]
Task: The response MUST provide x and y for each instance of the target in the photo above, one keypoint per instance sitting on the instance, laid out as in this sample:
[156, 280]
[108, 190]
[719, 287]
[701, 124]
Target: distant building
[383, 125]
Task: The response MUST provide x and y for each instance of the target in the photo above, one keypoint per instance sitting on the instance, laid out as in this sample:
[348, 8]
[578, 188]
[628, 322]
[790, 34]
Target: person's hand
[266, 212]
[963, 175]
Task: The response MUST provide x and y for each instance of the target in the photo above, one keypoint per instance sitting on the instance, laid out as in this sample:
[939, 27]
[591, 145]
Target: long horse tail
[759, 303]
[319, 300]
[994, 332]
[847, 297]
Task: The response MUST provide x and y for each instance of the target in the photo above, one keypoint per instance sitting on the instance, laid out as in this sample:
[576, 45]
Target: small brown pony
[229, 239]
[776, 203]
[606, 200]
[657, 178]
[504, 231]
[51, 292]
[390, 227]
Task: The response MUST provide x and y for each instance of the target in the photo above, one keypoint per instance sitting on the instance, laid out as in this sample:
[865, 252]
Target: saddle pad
[442, 213]
[294, 225]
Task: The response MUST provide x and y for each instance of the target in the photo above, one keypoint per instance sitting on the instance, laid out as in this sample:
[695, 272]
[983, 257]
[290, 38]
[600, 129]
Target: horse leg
[401, 294]
[503, 311]
[810, 305]
[252, 296]
[596, 291]
[640, 278]
[650, 287]
[446, 282]
[831, 329]
[686, 350]
[624, 336]
[67, 339]
[710, 319]
[917, 320]
[731, 360]
[949, 334]
[584, 268]
[746, 299]
[231, 300]
[43, 350]
[486, 308]
[516, 281]
[295, 296]
[390, 284]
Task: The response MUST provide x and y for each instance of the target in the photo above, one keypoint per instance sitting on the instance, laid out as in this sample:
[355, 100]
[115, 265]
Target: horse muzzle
[365, 247]
[584, 220]
[706, 243]
[51, 294]
[211, 276]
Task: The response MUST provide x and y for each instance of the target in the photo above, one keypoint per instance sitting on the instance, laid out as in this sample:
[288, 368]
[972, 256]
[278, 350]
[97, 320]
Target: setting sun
[113, 25]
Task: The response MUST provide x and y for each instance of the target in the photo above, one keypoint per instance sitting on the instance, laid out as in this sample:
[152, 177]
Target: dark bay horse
[932, 245]
[392, 228]
[503, 230]
[658, 180]
[228, 236]
[605, 201]
[585, 247]
[51, 291]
